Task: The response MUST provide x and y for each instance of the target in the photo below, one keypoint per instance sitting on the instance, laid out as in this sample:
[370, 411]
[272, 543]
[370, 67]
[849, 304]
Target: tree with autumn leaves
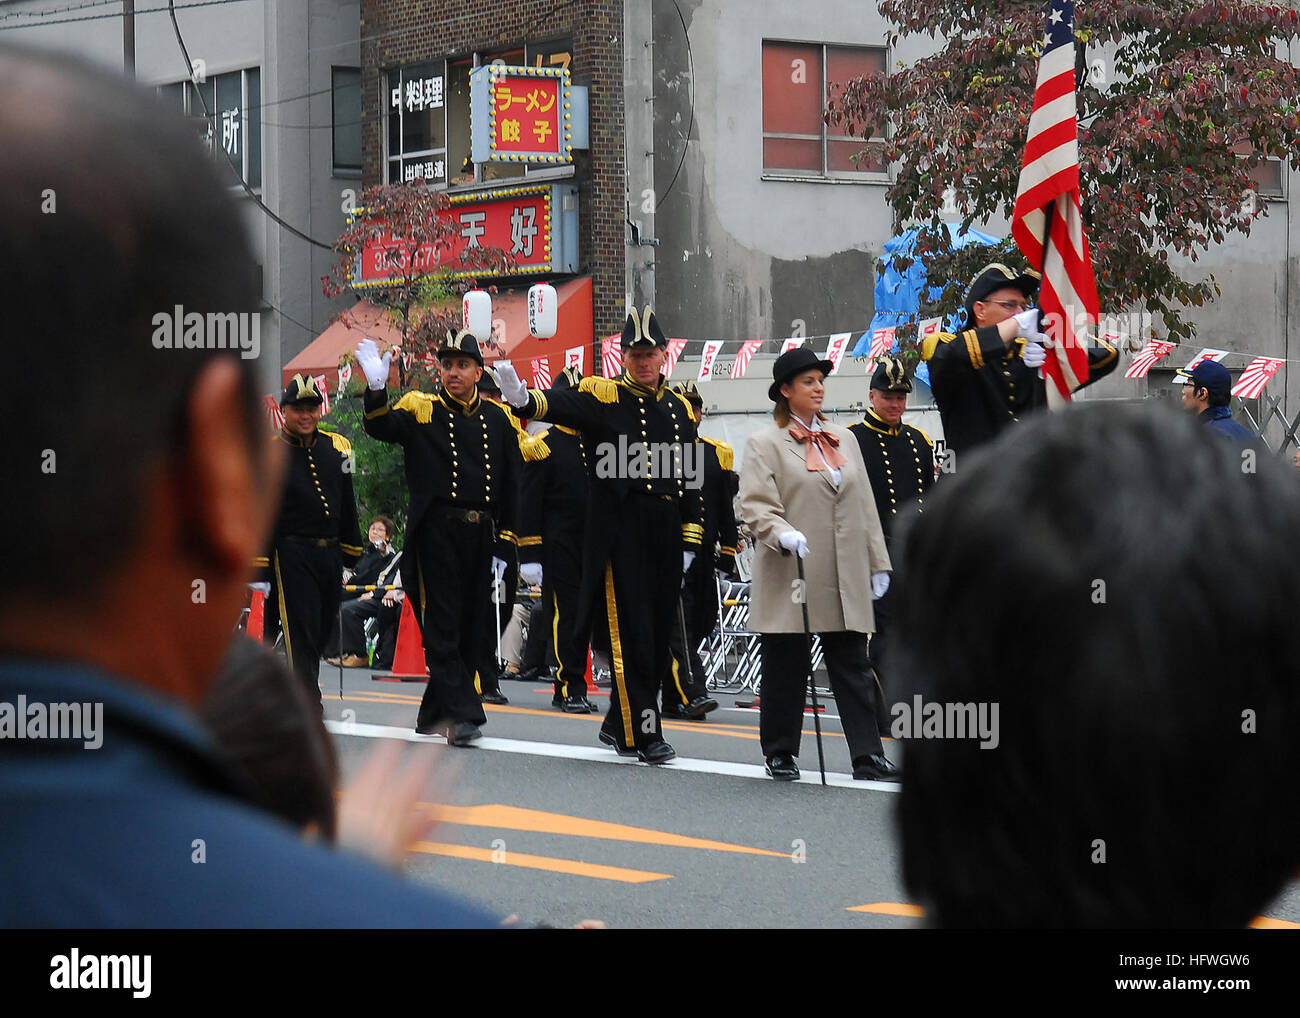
[1179, 102]
[412, 228]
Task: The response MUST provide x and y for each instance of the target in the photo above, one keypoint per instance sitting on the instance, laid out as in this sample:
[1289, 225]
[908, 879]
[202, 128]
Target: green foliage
[379, 482]
[1179, 103]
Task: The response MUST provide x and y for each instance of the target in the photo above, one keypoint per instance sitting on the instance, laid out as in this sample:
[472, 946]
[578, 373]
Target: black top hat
[462, 342]
[995, 277]
[795, 362]
[688, 390]
[643, 331]
[891, 375]
[568, 379]
[301, 390]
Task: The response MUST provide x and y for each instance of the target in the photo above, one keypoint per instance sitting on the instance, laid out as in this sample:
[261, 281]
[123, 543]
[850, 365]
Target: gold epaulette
[339, 442]
[534, 447]
[604, 389]
[931, 343]
[726, 454]
[418, 404]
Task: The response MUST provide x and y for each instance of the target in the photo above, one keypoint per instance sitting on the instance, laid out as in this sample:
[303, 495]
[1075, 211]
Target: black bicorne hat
[462, 342]
[688, 390]
[795, 362]
[302, 390]
[567, 379]
[891, 375]
[643, 330]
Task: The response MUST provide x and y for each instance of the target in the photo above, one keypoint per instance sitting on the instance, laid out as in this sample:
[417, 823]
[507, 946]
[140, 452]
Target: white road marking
[597, 754]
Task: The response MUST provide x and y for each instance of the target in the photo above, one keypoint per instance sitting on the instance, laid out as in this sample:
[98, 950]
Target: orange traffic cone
[408, 657]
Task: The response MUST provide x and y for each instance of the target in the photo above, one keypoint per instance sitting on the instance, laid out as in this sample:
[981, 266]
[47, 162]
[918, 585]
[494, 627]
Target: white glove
[498, 568]
[374, 366]
[1033, 355]
[531, 573]
[793, 540]
[513, 391]
[879, 584]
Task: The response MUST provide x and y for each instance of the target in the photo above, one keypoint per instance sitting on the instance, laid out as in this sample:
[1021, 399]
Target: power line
[118, 14]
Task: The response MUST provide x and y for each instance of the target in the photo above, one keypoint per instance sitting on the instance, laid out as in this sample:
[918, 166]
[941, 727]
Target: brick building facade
[404, 33]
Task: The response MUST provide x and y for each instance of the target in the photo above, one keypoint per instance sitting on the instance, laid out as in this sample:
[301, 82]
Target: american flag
[747, 350]
[675, 348]
[541, 373]
[1047, 222]
[1255, 376]
[611, 356]
[324, 388]
[1147, 357]
[835, 349]
[882, 341]
[274, 415]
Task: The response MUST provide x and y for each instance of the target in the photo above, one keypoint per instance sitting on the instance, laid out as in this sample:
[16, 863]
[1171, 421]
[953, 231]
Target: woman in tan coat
[804, 491]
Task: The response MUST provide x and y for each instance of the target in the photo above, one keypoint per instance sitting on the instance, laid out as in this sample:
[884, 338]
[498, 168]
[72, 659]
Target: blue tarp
[898, 295]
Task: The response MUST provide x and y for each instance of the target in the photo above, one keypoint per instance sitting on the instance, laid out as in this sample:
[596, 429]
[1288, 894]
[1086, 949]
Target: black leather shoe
[430, 730]
[656, 753]
[875, 768]
[782, 767]
[495, 696]
[613, 744]
[578, 704]
[463, 733]
[527, 675]
[701, 705]
[557, 700]
[675, 712]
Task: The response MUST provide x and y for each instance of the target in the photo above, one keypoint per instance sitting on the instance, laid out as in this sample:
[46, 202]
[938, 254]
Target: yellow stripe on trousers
[616, 656]
[284, 612]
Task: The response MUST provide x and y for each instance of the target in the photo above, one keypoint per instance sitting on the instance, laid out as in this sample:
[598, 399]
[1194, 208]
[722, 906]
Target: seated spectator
[1110, 579]
[378, 567]
[150, 472]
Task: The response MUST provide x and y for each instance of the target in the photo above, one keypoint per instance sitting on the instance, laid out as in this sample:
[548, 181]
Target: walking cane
[498, 598]
[812, 684]
[686, 651]
[340, 648]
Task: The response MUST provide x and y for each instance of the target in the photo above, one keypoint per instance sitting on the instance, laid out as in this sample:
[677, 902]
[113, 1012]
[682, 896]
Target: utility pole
[128, 38]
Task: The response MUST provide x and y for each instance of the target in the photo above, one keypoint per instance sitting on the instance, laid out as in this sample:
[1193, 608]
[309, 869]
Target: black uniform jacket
[555, 491]
[981, 386]
[616, 416]
[459, 455]
[318, 500]
[720, 487]
[900, 464]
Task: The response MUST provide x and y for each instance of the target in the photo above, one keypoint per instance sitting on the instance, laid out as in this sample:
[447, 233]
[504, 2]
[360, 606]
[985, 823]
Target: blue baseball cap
[1209, 375]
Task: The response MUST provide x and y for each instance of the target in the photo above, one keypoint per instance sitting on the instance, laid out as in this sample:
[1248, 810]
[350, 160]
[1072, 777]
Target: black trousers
[355, 612]
[561, 580]
[892, 688]
[686, 678]
[386, 639]
[538, 652]
[641, 581]
[306, 582]
[785, 688]
[452, 602]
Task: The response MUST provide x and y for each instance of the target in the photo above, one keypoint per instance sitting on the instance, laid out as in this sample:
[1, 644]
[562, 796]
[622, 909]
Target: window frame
[188, 89]
[826, 175]
[477, 58]
[340, 169]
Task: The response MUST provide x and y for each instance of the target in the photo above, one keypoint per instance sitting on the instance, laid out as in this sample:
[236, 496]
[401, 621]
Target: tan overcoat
[845, 543]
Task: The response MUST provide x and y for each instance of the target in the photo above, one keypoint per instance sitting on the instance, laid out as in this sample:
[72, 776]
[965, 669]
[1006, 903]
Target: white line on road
[566, 751]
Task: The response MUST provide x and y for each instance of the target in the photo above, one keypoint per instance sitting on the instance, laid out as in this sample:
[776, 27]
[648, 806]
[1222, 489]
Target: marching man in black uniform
[460, 454]
[900, 465]
[642, 521]
[316, 533]
[552, 535]
[685, 695]
[989, 375]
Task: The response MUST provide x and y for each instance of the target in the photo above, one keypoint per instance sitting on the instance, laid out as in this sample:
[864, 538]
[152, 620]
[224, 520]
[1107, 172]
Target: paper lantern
[476, 314]
[543, 310]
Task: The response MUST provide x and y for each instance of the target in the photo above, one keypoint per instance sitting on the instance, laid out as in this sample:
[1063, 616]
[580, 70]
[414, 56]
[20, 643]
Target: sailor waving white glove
[374, 366]
[513, 391]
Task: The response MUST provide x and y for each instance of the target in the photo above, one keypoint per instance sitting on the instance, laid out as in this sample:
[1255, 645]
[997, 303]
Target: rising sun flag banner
[1047, 222]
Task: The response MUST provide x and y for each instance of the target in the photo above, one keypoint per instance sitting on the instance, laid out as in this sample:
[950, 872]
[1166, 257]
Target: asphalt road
[549, 825]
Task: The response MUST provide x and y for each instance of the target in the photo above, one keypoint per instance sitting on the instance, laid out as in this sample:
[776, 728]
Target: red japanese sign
[517, 220]
[525, 115]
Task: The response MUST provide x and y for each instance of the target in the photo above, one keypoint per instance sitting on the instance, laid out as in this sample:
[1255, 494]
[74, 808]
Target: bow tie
[822, 447]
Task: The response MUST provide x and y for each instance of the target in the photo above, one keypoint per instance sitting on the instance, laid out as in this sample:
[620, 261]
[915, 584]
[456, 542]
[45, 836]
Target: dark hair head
[114, 214]
[260, 715]
[389, 529]
[1111, 579]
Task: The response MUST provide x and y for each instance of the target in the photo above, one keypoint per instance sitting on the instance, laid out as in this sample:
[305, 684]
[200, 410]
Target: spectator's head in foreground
[1112, 579]
[138, 444]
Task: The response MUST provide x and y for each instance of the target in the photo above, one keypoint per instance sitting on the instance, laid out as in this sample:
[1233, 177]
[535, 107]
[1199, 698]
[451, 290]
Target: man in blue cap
[1207, 392]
